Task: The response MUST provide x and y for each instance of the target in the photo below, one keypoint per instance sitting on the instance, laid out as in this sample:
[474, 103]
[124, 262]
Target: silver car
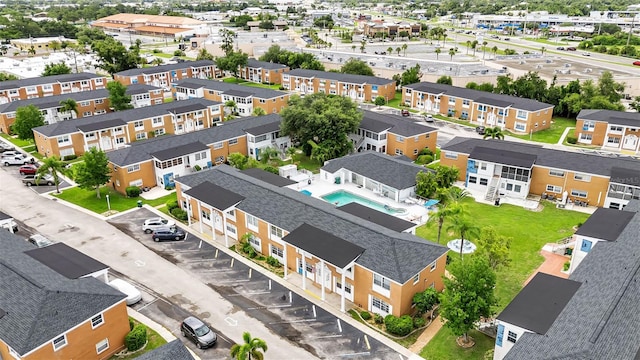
[198, 332]
[150, 225]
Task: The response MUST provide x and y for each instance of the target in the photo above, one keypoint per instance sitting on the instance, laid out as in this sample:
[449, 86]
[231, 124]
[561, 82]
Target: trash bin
[337, 180]
[139, 203]
[497, 202]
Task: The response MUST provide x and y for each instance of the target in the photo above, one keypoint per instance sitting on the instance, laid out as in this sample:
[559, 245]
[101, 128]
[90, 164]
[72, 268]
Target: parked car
[428, 118]
[21, 159]
[4, 148]
[133, 294]
[586, 54]
[40, 241]
[405, 112]
[156, 223]
[636, 63]
[560, 48]
[480, 129]
[11, 152]
[10, 225]
[198, 332]
[172, 233]
[571, 48]
[29, 169]
[31, 180]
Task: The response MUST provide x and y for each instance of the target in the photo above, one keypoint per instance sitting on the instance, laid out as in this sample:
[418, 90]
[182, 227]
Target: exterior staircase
[357, 144]
[492, 189]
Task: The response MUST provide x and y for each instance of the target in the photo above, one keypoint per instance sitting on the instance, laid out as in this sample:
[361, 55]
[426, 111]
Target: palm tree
[157, 62]
[438, 51]
[468, 46]
[494, 133]
[484, 49]
[452, 52]
[389, 50]
[250, 349]
[445, 211]
[69, 105]
[398, 49]
[474, 45]
[363, 45]
[268, 153]
[448, 206]
[464, 226]
[543, 49]
[353, 47]
[291, 152]
[404, 49]
[494, 50]
[52, 166]
[231, 105]
[318, 152]
[259, 112]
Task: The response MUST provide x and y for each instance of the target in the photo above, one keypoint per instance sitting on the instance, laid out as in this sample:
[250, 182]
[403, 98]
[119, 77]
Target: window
[521, 114]
[483, 181]
[252, 222]
[83, 104]
[433, 266]
[582, 177]
[206, 215]
[554, 189]
[102, 346]
[255, 242]
[276, 232]
[277, 253]
[586, 245]
[201, 156]
[97, 321]
[452, 100]
[615, 128]
[482, 107]
[399, 152]
[520, 126]
[483, 166]
[218, 145]
[416, 278]
[588, 125]
[141, 136]
[465, 102]
[138, 124]
[157, 121]
[399, 138]
[514, 173]
[579, 193]
[159, 132]
[86, 114]
[517, 188]
[233, 141]
[64, 139]
[381, 281]
[450, 155]
[557, 173]
[613, 140]
[133, 168]
[511, 336]
[473, 180]
[59, 342]
[137, 183]
[99, 101]
[380, 305]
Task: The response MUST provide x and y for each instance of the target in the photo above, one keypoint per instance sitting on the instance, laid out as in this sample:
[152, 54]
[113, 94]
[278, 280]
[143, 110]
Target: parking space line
[354, 354]
[147, 304]
[198, 260]
[268, 307]
[339, 325]
[325, 337]
[292, 321]
[233, 281]
[366, 341]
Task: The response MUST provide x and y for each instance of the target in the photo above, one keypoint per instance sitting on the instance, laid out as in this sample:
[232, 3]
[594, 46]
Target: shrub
[197, 168]
[426, 151]
[281, 87]
[379, 319]
[136, 338]
[179, 214]
[133, 191]
[566, 265]
[271, 169]
[178, 53]
[419, 322]
[131, 324]
[365, 315]
[172, 204]
[157, 51]
[69, 157]
[400, 326]
[572, 139]
[273, 261]
[424, 159]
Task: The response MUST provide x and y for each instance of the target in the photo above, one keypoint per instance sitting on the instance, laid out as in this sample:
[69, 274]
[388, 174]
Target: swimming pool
[342, 197]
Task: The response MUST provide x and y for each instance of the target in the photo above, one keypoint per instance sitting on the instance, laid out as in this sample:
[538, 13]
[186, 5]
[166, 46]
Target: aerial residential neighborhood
[313, 180]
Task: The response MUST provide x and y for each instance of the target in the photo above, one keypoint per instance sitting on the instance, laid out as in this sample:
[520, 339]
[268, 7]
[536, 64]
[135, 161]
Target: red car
[405, 112]
[636, 63]
[28, 169]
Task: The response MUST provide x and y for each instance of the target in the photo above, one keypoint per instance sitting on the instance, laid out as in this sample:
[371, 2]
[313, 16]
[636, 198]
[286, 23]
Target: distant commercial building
[154, 25]
[40, 45]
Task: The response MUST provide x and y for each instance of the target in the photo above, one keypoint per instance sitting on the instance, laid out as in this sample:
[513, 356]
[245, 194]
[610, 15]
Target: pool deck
[417, 214]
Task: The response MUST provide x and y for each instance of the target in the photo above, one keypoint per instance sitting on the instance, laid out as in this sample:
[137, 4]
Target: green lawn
[551, 135]
[443, 346]
[395, 102]
[233, 80]
[17, 142]
[87, 199]
[530, 230]
[552, 42]
[154, 341]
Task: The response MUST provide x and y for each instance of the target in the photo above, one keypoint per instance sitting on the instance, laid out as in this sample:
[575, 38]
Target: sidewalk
[427, 335]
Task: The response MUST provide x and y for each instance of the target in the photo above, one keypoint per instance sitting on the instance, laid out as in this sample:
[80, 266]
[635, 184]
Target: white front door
[106, 143]
[630, 142]
[217, 222]
[327, 276]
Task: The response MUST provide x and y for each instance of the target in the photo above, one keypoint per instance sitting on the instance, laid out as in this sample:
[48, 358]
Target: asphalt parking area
[282, 311]
[41, 189]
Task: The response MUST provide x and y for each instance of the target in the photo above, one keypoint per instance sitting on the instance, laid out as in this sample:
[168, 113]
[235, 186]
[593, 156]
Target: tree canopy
[494, 247]
[252, 348]
[324, 120]
[232, 62]
[52, 166]
[203, 54]
[114, 57]
[444, 79]
[27, 118]
[293, 60]
[411, 76]
[94, 171]
[118, 98]
[356, 67]
[56, 69]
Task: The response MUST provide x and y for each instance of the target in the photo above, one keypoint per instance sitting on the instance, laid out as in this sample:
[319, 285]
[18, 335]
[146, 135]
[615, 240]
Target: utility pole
[633, 20]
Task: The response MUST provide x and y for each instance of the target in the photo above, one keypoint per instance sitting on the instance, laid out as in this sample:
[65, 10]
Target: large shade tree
[94, 171]
[27, 118]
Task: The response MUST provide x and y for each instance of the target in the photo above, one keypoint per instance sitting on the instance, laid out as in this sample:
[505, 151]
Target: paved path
[552, 265]
[427, 335]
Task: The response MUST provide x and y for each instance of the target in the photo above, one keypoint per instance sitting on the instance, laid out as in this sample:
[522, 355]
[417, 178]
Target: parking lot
[282, 311]
[13, 170]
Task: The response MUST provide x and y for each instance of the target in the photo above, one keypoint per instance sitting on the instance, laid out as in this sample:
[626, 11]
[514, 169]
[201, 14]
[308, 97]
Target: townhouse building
[513, 113]
[116, 130]
[48, 314]
[31, 88]
[357, 87]
[591, 315]
[496, 168]
[246, 98]
[263, 72]
[372, 266]
[612, 130]
[393, 135]
[90, 103]
[160, 161]
[165, 76]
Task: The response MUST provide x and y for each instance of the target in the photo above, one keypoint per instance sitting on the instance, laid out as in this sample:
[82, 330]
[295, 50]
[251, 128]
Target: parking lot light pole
[108, 203]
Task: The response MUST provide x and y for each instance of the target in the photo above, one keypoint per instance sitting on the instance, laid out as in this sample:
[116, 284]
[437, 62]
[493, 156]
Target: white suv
[150, 225]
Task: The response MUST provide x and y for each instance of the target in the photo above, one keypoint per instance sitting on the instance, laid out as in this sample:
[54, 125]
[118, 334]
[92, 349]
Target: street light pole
[108, 203]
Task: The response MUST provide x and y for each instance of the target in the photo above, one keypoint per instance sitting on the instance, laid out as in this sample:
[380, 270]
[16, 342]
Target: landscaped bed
[87, 199]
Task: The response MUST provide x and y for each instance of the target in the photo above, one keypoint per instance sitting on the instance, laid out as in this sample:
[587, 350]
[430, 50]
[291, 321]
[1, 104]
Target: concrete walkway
[552, 265]
[427, 335]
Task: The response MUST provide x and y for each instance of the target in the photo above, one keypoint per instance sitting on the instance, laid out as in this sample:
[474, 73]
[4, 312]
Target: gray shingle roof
[41, 304]
[615, 221]
[71, 126]
[174, 350]
[267, 177]
[601, 319]
[611, 117]
[141, 150]
[380, 167]
[389, 221]
[253, 63]
[586, 163]
[347, 78]
[333, 249]
[481, 96]
[398, 256]
[14, 84]
[377, 122]
[179, 150]
[134, 89]
[165, 68]
[223, 87]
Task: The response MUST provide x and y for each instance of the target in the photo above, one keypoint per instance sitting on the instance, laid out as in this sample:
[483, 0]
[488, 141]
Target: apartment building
[513, 113]
[31, 88]
[591, 315]
[246, 98]
[393, 135]
[497, 168]
[90, 103]
[263, 72]
[357, 87]
[612, 130]
[160, 161]
[48, 313]
[372, 266]
[165, 76]
[116, 130]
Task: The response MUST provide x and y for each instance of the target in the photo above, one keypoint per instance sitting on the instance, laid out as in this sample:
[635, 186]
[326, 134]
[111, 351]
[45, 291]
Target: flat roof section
[605, 224]
[268, 177]
[539, 303]
[214, 195]
[66, 260]
[323, 245]
[378, 217]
